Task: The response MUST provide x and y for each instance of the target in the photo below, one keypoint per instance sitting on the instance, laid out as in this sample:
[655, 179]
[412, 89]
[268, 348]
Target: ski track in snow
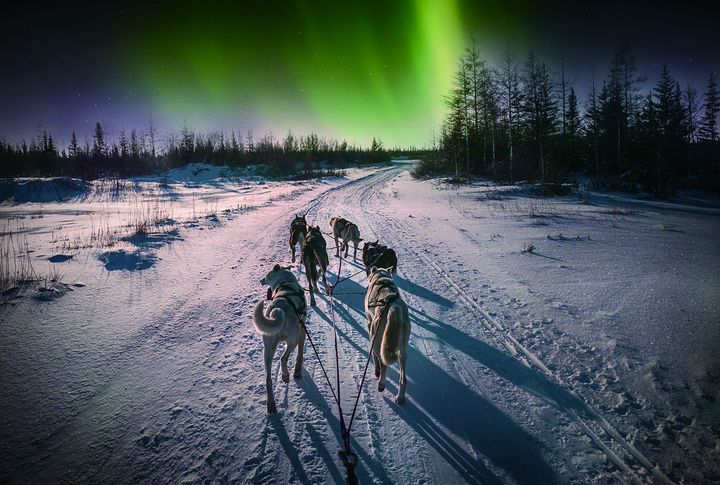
[491, 397]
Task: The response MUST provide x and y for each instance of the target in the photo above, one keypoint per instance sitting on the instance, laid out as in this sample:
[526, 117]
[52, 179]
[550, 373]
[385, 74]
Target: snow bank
[56, 189]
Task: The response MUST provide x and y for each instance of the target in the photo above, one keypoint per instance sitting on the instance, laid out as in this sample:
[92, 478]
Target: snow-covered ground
[590, 359]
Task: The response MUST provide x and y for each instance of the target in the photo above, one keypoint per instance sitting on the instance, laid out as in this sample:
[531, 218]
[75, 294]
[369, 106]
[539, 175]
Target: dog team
[283, 320]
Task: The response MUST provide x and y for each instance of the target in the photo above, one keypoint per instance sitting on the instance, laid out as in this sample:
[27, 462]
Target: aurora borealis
[352, 70]
[336, 70]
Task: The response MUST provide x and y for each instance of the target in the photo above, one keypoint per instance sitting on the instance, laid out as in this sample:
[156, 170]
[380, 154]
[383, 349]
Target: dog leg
[292, 247]
[297, 373]
[337, 246]
[375, 358]
[312, 296]
[284, 361]
[308, 275]
[400, 398]
[383, 375]
[374, 352]
[355, 253]
[268, 355]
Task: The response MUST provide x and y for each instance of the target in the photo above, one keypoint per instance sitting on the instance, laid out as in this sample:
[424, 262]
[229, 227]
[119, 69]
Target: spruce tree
[709, 122]
[74, 148]
[540, 111]
[572, 125]
[669, 121]
[592, 123]
[123, 144]
[690, 108]
[134, 145]
[456, 140]
[511, 95]
[99, 147]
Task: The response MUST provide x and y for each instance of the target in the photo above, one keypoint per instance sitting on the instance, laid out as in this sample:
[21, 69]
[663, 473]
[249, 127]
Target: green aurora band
[350, 70]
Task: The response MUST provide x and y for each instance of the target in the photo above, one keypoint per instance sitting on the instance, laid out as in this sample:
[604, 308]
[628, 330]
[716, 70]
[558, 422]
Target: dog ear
[288, 267]
[277, 267]
[376, 241]
[360, 239]
[373, 269]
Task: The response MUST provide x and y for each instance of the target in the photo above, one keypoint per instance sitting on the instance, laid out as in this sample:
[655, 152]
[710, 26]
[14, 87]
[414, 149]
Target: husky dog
[314, 254]
[376, 254]
[388, 326]
[298, 231]
[282, 322]
[338, 226]
[350, 233]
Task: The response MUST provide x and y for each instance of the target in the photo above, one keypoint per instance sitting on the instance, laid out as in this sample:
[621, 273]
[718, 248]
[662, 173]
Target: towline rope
[348, 458]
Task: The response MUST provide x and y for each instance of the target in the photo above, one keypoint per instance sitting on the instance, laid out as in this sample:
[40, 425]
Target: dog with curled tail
[282, 321]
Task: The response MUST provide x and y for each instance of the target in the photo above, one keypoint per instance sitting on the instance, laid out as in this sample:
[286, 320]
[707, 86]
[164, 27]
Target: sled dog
[282, 321]
[314, 256]
[338, 226]
[298, 231]
[350, 233]
[388, 326]
[376, 254]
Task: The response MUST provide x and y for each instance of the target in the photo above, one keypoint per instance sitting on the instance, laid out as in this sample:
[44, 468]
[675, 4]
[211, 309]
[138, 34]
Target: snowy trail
[448, 430]
[158, 376]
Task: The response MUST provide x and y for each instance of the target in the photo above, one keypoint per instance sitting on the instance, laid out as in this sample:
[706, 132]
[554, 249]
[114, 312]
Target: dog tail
[394, 336]
[271, 324]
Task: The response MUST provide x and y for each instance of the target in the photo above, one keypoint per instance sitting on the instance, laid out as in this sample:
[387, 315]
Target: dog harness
[298, 226]
[381, 284]
[315, 241]
[294, 296]
[374, 253]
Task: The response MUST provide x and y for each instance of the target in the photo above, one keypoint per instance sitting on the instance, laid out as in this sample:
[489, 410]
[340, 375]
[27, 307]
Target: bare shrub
[16, 268]
[147, 216]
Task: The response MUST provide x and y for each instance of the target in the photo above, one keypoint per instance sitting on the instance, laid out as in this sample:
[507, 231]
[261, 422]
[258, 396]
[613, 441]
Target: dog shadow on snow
[405, 285]
[440, 408]
[502, 442]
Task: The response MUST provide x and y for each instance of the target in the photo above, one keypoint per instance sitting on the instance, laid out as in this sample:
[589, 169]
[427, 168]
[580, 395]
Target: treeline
[140, 153]
[517, 120]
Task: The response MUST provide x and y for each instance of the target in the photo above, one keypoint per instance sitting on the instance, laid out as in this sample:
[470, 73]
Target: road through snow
[157, 375]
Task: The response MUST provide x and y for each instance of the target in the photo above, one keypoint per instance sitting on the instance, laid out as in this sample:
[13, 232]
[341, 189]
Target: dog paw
[377, 373]
[312, 303]
[286, 378]
[381, 388]
[297, 375]
[271, 408]
[400, 399]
